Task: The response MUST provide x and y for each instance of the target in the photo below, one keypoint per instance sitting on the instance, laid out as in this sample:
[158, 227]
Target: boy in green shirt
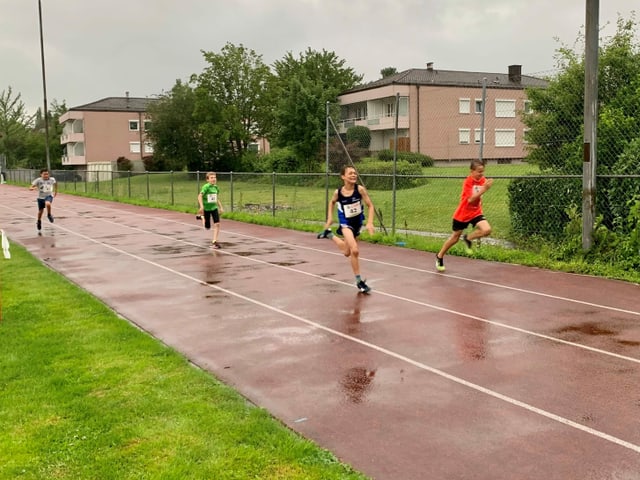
[210, 206]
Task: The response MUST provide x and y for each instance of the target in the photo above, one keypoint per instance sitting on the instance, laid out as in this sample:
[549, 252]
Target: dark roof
[118, 104]
[452, 78]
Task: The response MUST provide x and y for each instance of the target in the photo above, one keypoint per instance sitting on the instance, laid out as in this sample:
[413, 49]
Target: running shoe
[468, 244]
[363, 287]
[325, 234]
[215, 245]
[440, 264]
[50, 217]
[39, 225]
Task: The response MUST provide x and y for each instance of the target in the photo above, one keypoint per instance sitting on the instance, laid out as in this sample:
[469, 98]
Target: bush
[540, 207]
[379, 175]
[281, 160]
[411, 157]
[123, 164]
[360, 135]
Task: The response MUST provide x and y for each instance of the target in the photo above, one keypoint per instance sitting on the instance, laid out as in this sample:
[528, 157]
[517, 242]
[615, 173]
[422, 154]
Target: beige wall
[435, 122]
[107, 136]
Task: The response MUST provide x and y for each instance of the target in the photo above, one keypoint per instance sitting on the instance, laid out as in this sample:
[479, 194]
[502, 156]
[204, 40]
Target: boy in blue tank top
[350, 199]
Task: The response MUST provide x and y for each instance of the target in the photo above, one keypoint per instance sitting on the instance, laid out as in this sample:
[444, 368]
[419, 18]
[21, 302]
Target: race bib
[212, 198]
[353, 210]
[47, 187]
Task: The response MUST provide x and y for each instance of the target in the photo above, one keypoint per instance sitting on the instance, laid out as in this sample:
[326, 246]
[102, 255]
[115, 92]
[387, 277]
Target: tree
[15, 125]
[388, 71]
[238, 82]
[555, 128]
[304, 85]
[180, 139]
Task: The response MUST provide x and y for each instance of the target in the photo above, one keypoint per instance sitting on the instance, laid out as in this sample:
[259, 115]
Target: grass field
[85, 395]
[302, 198]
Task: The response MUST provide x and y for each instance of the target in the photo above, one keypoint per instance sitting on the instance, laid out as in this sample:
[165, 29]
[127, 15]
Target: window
[476, 136]
[525, 135]
[464, 135]
[148, 147]
[527, 106]
[390, 109]
[134, 147]
[505, 137]
[478, 105]
[464, 105]
[147, 125]
[134, 125]
[505, 108]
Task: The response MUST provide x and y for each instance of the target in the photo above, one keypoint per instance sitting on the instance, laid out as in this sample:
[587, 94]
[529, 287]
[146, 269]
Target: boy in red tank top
[469, 212]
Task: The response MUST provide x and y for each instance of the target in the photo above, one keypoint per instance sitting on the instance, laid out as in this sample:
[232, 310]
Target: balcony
[70, 160]
[71, 138]
[376, 123]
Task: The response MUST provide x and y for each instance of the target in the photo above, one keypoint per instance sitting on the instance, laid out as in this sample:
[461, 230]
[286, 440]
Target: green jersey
[210, 196]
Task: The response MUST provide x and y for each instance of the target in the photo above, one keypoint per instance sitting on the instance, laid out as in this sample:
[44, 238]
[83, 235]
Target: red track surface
[488, 371]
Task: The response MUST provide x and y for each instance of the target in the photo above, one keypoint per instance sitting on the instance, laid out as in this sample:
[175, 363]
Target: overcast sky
[101, 48]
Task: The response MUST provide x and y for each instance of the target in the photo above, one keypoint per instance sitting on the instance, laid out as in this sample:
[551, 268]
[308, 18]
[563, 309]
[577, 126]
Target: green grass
[300, 198]
[85, 395]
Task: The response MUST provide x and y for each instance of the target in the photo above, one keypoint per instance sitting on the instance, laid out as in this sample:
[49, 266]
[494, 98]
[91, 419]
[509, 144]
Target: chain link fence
[532, 148]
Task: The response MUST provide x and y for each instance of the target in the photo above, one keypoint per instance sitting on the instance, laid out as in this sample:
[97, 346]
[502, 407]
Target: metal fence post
[148, 196]
[172, 196]
[231, 188]
[273, 194]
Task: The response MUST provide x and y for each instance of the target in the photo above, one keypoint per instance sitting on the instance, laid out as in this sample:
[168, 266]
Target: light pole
[44, 90]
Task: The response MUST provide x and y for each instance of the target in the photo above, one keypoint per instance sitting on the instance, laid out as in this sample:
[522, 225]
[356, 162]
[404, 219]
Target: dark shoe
[50, 217]
[440, 264]
[198, 217]
[215, 245]
[325, 234]
[39, 225]
[468, 244]
[363, 287]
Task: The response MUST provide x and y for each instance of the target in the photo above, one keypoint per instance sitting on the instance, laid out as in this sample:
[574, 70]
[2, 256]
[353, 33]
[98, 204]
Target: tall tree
[304, 85]
[180, 141]
[555, 126]
[239, 82]
[388, 71]
[15, 125]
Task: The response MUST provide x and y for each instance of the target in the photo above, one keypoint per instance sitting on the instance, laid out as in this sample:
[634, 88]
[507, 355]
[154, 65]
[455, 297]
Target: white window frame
[505, 137]
[505, 108]
[134, 147]
[478, 105]
[147, 125]
[464, 136]
[148, 147]
[464, 105]
[134, 125]
[527, 107]
[476, 136]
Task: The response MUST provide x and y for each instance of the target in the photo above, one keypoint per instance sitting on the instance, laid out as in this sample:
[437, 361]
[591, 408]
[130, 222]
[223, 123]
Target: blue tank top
[350, 209]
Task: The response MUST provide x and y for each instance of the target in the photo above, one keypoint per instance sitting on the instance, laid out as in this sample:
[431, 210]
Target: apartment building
[441, 113]
[95, 135]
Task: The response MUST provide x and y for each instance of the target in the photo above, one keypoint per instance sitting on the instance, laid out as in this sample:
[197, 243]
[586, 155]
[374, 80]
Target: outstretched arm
[332, 204]
[370, 208]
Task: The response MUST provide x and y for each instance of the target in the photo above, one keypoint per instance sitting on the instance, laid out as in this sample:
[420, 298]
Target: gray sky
[101, 48]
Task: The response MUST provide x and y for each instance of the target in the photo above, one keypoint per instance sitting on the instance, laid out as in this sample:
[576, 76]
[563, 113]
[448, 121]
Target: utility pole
[44, 90]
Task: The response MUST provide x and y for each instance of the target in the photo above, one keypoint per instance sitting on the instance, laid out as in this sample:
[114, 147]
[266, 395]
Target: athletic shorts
[354, 227]
[459, 226]
[43, 201]
[208, 215]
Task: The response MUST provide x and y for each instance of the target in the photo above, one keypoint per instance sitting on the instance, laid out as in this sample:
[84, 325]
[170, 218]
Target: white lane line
[390, 295]
[415, 269]
[397, 297]
[390, 353]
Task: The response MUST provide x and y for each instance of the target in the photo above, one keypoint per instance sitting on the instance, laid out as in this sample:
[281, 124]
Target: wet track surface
[488, 371]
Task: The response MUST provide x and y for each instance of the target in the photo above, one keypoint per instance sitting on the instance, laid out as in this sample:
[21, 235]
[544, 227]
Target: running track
[488, 371]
